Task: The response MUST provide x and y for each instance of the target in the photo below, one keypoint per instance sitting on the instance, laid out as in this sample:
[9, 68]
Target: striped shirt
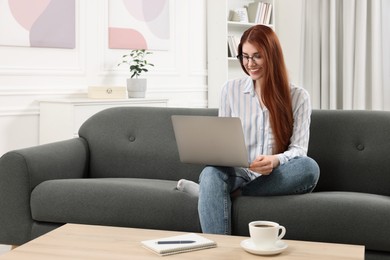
[239, 99]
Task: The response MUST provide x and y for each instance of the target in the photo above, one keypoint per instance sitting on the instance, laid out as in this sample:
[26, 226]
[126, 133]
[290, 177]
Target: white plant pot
[136, 88]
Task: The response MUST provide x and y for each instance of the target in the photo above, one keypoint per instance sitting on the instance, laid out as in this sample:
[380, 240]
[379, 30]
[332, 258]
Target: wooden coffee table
[73, 241]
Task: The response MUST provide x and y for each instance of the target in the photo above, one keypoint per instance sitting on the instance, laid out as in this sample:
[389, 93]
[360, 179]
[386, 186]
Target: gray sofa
[123, 169]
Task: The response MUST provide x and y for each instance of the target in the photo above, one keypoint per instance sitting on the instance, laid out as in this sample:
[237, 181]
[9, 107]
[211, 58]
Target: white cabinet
[61, 119]
[221, 67]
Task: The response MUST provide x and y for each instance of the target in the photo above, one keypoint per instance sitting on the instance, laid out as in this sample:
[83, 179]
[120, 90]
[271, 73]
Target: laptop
[210, 140]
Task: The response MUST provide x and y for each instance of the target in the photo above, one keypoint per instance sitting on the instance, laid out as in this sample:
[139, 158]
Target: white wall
[30, 74]
[289, 29]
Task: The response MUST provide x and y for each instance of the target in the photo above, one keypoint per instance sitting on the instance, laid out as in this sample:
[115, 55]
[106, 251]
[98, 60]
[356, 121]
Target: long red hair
[275, 90]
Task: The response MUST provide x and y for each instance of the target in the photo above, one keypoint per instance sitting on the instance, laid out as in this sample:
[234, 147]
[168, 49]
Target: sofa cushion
[137, 142]
[140, 203]
[338, 217]
[352, 149]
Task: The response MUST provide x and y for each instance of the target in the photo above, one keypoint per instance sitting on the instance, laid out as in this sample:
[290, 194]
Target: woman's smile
[253, 61]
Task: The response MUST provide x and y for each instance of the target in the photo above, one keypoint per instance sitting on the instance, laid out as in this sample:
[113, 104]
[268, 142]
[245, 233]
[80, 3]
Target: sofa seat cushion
[127, 202]
[339, 217]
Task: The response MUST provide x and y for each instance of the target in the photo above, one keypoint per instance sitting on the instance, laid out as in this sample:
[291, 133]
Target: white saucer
[248, 246]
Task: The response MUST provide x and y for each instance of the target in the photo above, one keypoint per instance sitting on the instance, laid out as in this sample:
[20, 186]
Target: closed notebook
[190, 242]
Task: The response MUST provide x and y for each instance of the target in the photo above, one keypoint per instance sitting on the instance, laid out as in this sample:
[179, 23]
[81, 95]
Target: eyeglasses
[245, 58]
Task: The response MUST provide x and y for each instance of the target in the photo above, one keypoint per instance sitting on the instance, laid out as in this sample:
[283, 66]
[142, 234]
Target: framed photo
[38, 23]
[138, 24]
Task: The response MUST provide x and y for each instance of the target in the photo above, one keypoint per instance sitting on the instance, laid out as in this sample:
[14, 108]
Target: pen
[175, 242]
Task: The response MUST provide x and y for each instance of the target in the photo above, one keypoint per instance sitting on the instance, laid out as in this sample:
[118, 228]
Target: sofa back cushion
[352, 149]
[137, 142]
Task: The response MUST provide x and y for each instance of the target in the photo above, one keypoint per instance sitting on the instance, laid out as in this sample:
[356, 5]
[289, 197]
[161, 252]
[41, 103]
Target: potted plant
[137, 63]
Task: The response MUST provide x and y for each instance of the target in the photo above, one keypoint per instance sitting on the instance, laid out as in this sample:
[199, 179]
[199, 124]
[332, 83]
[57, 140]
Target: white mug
[265, 234]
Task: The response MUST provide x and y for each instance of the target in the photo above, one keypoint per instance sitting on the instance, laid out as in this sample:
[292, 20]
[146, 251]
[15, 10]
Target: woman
[276, 119]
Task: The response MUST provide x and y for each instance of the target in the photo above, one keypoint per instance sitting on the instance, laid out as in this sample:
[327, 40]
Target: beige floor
[4, 249]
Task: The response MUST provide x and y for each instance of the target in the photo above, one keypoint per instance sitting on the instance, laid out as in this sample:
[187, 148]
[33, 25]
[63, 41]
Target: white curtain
[345, 63]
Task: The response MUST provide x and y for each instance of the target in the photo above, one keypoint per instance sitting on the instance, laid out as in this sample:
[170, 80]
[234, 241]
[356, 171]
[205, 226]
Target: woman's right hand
[264, 164]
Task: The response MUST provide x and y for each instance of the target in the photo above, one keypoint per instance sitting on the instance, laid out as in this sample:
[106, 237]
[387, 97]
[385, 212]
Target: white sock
[189, 187]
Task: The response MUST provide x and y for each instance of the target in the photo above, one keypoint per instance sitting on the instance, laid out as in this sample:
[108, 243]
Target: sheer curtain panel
[345, 63]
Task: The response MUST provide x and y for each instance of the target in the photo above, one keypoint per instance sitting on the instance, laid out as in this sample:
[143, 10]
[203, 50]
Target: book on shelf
[259, 12]
[268, 14]
[233, 42]
[253, 12]
[178, 244]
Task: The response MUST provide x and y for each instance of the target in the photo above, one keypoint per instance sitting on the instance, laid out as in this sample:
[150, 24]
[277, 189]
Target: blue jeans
[299, 175]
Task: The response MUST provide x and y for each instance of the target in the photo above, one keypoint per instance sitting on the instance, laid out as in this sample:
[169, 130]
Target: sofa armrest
[22, 170]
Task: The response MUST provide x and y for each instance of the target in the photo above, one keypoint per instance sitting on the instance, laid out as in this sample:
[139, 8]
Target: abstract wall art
[38, 23]
[138, 24]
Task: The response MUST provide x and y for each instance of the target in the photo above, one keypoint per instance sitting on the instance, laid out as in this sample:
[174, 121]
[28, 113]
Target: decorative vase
[136, 88]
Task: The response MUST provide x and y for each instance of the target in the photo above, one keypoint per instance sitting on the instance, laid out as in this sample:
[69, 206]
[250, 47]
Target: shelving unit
[221, 67]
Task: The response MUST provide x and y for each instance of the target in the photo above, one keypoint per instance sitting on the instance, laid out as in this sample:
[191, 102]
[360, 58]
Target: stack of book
[259, 12]
[233, 42]
[239, 15]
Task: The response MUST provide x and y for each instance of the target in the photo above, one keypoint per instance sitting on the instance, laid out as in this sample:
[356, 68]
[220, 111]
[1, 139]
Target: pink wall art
[138, 24]
[37, 23]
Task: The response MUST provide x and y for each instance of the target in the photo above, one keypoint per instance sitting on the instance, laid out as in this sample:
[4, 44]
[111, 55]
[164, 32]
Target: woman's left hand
[264, 164]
